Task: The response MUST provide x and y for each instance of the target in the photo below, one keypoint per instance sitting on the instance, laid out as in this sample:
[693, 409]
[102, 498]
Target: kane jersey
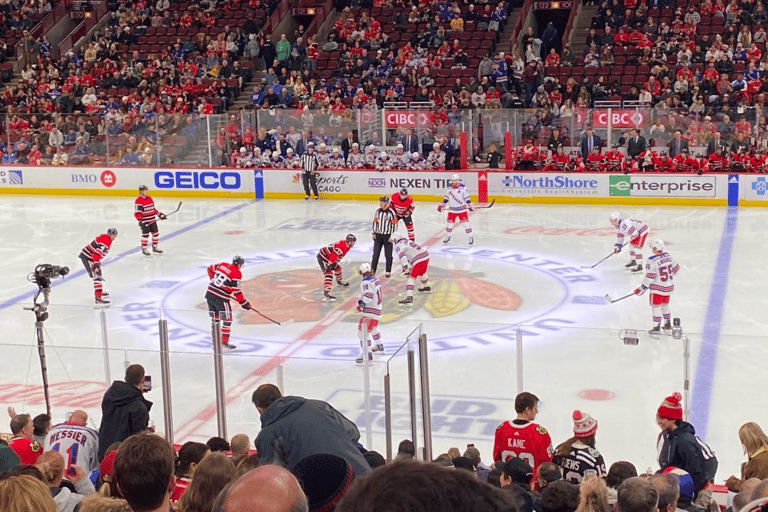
[333, 253]
[525, 440]
[97, 250]
[581, 459]
[630, 228]
[402, 207]
[370, 294]
[225, 282]
[78, 444]
[144, 210]
[457, 199]
[659, 272]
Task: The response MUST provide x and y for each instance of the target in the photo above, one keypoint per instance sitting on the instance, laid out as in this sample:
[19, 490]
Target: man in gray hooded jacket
[293, 427]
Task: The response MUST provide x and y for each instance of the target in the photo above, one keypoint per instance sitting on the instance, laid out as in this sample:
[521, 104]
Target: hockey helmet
[415, 154]
[289, 151]
[365, 268]
[112, 231]
[351, 239]
[657, 245]
[403, 191]
[455, 177]
[143, 187]
[615, 216]
[383, 199]
[383, 154]
[238, 261]
[396, 236]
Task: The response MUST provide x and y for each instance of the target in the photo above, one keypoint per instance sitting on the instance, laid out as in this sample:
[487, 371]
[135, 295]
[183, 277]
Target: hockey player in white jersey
[323, 156]
[258, 159]
[415, 261]
[243, 159]
[371, 157]
[355, 159]
[401, 159]
[459, 204]
[634, 232]
[276, 161]
[336, 161]
[417, 163]
[660, 269]
[291, 160]
[369, 304]
[383, 163]
[77, 443]
[436, 157]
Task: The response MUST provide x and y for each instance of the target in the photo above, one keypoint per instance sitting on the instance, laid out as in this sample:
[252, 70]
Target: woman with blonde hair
[51, 465]
[755, 444]
[25, 494]
[98, 503]
[211, 476]
[593, 495]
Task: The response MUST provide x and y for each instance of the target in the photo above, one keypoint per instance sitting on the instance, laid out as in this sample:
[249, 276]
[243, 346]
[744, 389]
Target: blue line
[78, 273]
[705, 369]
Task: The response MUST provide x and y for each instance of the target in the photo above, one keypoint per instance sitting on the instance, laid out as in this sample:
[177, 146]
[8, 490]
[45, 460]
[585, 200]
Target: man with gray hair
[669, 491]
[240, 445]
[637, 495]
[265, 489]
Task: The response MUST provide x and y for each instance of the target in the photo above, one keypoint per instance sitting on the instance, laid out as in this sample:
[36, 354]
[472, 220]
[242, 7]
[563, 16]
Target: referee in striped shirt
[384, 224]
[310, 164]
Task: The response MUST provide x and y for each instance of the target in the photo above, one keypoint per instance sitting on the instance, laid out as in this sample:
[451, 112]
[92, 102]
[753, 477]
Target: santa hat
[670, 408]
[584, 425]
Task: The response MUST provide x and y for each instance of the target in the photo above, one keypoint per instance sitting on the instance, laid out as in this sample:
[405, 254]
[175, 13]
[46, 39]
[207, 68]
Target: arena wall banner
[124, 181]
[755, 191]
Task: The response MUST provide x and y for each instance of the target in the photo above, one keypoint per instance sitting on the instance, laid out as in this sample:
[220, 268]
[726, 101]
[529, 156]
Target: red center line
[249, 382]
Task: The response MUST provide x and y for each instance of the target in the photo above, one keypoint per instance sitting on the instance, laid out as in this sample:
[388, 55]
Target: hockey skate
[146, 252]
[447, 239]
[638, 268]
[425, 289]
[630, 264]
[667, 328]
[105, 295]
[471, 241]
[388, 274]
[377, 348]
[327, 296]
[655, 332]
[306, 198]
[229, 346]
[359, 360]
[407, 300]
[342, 283]
[317, 197]
[158, 251]
[101, 301]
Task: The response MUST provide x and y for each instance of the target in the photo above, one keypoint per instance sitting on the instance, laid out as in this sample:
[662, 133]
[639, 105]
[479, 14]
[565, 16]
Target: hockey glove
[440, 207]
[247, 305]
[360, 305]
[162, 216]
[96, 267]
[617, 248]
[639, 291]
[471, 208]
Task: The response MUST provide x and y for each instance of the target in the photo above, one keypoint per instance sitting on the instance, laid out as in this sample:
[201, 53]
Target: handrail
[274, 20]
[320, 17]
[44, 25]
[519, 25]
[87, 24]
[568, 26]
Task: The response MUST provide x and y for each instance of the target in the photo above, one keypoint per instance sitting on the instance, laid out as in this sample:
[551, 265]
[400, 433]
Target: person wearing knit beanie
[678, 447]
[578, 456]
[324, 478]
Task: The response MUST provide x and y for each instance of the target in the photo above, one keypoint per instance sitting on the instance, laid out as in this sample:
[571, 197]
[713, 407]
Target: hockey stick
[265, 316]
[608, 297]
[585, 267]
[493, 201]
[174, 211]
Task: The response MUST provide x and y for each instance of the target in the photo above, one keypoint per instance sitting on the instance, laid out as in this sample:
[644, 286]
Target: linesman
[384, 224]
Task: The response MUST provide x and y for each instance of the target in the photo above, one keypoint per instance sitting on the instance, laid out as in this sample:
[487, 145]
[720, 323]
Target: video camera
[45, 272]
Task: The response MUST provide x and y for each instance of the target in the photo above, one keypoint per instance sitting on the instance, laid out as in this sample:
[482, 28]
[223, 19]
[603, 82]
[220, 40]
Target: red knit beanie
[670, 408]
[584, 425]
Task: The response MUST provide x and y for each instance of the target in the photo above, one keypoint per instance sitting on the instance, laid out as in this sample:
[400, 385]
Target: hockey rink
[522, 275]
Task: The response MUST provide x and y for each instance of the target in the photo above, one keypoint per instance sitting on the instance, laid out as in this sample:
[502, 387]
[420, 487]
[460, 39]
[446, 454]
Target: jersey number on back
[71, 452]
[665, 272]
[219, 279]
[527, 457]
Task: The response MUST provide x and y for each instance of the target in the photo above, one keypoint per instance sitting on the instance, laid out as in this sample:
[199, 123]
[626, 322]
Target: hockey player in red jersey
[403, 206]
[758, 161]
[146, 213]
[660, 270]
[91, 256]
[528, 156]
[662, 162]
[615, 161]
[684, 162]
[595, 162]
[560, 162]
[329, 258]
[225, 285]
[718, 162]
[521, 437]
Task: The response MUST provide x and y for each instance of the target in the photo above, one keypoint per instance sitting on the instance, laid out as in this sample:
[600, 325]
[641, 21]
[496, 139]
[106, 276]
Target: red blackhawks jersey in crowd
[225, 282]
[144, 210]
[333, 253]
[523, 439]
[27, 449]
[98, 248]
[402, 207]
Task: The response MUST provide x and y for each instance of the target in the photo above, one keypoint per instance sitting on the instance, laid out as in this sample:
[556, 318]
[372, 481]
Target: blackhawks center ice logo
[478, 298]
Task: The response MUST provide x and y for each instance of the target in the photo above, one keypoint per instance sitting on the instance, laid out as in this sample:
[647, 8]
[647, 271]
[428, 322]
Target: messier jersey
[370, 294]
[402, 207]
[630, 228]
[526, 440]
[659, 270]
[410, 253]
[458, 199]
[333, 253]
[79, 445]
[581, 459]
[144, 210]
[97, 249]
[225, 282]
